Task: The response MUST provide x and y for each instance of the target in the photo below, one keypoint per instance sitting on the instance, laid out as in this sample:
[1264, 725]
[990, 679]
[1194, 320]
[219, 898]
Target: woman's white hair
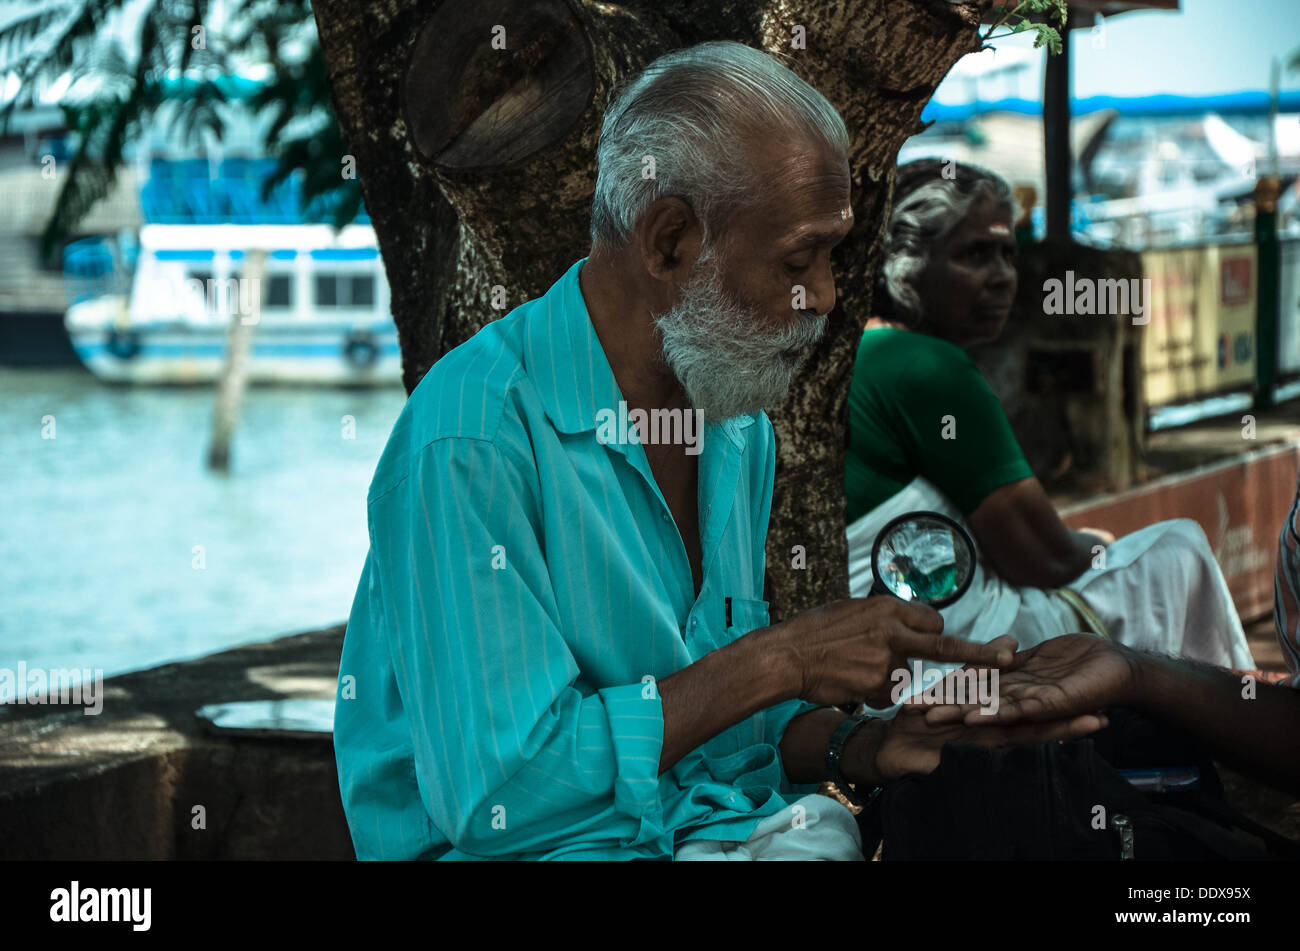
[688, 111]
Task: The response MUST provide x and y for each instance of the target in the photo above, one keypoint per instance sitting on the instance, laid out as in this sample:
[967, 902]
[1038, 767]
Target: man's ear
[668, 236]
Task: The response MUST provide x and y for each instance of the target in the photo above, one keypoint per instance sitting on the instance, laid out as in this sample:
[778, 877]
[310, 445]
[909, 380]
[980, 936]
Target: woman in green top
[927, 433]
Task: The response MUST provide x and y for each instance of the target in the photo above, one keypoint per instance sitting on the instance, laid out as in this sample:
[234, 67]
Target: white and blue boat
[324, 310]
[156, 306]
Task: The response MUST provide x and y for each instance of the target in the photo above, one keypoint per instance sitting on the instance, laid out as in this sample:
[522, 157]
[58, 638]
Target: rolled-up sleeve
[510, 756]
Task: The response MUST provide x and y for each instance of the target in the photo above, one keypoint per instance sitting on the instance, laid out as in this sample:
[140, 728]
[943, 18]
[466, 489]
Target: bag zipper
[1125, 829]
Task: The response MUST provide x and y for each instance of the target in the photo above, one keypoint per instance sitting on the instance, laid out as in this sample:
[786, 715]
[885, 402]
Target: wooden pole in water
[245, 313]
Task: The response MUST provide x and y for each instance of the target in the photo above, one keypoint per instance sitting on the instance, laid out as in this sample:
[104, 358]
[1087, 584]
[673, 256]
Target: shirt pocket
[747, 614]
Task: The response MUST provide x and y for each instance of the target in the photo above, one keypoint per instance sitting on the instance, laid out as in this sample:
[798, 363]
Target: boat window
[277, 292]
[327, 290]
[345, 290]
[362, 290]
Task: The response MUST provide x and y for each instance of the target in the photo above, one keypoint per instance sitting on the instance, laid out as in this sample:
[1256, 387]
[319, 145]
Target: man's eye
[794, 267]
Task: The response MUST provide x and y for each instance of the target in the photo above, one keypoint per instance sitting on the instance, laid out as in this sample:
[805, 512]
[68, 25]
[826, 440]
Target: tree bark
[476, 152]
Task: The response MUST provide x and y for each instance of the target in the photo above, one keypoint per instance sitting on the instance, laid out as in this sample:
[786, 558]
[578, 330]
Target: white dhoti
[817, 828]
[1159, 590]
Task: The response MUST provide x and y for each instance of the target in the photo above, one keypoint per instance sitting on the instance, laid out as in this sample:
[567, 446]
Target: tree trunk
[474, 126]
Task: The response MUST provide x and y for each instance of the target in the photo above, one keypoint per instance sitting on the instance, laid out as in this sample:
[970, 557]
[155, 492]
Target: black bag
[1067, 801]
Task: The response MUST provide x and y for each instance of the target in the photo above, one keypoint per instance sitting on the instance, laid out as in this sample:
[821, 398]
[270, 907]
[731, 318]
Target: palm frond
[51, 53]
[104, 125]
[198, 9]
[23, 30]
[68, 38]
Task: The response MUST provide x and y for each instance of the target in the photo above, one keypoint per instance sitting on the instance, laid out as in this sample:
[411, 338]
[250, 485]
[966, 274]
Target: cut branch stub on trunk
[492, 83]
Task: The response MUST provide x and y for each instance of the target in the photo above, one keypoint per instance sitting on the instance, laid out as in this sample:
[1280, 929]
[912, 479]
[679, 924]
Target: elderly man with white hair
[558, 646]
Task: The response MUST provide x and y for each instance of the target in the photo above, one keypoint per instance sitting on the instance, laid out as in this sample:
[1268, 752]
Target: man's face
[740, 330]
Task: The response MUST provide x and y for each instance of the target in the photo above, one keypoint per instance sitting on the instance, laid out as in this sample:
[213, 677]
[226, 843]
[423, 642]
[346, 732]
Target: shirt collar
[572, 373]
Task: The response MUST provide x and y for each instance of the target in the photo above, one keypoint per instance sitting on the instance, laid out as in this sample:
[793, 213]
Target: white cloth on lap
[817, 828]
[1161, 590]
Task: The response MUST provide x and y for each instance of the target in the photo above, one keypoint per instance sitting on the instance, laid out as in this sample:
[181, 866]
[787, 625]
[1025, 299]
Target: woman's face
[967, 288]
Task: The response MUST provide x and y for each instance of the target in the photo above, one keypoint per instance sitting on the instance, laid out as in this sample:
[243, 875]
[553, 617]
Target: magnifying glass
[923, 557]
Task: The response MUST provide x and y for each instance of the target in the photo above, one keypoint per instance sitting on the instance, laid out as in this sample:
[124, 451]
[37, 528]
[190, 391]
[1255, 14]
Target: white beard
[727, 361]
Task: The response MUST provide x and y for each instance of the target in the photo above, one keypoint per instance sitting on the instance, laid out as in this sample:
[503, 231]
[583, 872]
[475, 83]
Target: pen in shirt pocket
[727, 602]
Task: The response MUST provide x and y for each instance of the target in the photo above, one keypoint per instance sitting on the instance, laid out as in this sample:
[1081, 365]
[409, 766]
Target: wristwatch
[834, 753]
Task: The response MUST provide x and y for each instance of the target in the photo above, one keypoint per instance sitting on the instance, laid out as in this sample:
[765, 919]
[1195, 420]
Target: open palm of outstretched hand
[1065, 677]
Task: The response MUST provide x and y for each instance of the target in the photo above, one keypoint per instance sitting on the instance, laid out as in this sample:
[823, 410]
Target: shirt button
[695, 622]
[667, 517]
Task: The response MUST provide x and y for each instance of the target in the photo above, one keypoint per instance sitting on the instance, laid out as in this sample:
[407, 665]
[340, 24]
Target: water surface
[99, 525]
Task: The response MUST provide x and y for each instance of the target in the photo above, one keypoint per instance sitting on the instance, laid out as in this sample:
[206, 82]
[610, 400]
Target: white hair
[687, 110]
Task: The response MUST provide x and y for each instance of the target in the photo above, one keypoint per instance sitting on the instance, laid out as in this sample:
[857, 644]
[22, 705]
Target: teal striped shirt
[525, 588]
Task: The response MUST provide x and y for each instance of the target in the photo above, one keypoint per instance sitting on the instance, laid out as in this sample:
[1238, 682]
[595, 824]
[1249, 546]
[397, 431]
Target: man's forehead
[823, 227]
[817, 208]
[807, 190]
[800, 167]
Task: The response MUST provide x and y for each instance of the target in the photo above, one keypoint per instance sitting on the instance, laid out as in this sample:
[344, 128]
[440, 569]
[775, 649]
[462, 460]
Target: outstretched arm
[1248, 724]
[1253, 726]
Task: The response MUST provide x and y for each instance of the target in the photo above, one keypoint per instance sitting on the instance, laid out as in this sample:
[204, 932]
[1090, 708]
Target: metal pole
[1056, 139]
[1269, 292]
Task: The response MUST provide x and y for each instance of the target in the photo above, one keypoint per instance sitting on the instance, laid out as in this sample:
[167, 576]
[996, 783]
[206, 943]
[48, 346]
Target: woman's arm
[1018, 529]
[920, 403]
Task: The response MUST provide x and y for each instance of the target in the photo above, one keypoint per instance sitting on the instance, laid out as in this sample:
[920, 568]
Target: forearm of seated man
[735, 682]
[719, 690]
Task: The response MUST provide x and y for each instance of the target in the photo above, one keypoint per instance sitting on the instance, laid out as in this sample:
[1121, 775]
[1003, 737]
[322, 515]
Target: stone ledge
[123, 784]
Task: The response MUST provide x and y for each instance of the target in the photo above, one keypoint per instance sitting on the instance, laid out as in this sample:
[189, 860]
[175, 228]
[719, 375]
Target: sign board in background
[1241, 504]
[1201, 336]
[1288, 329]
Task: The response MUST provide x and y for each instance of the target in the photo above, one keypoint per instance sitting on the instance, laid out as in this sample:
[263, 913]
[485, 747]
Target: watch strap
[835, 753]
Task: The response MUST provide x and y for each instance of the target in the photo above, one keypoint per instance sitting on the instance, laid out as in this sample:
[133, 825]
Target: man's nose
[821, 291]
